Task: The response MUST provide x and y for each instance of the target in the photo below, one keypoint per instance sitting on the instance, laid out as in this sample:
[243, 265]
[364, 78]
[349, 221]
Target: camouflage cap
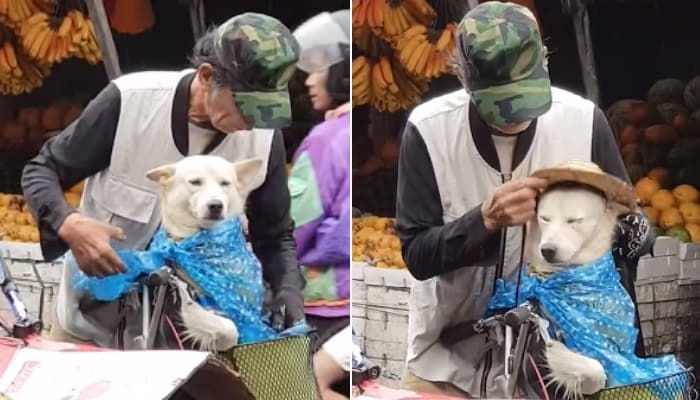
[502, 63]
[259, 55]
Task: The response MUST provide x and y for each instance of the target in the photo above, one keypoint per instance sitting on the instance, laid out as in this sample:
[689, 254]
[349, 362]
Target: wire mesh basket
[680, 386]
[277, 369]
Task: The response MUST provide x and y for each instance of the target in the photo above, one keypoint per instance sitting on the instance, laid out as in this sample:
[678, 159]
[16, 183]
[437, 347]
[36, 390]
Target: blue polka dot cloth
[595, 316]
[217, 260]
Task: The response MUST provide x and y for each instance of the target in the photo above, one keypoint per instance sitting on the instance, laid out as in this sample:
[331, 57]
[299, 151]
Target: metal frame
[103, 34]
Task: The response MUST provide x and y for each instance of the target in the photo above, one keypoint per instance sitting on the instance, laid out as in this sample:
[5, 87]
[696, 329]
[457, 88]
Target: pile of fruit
[33, 125]
[374, 241]
[673, 212]
[35, 34]
[16, 222]
[662, 131]
[400, 51]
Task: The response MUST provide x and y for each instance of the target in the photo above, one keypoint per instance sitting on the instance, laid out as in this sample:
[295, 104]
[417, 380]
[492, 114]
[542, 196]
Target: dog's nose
[216, 208]
[549, 251]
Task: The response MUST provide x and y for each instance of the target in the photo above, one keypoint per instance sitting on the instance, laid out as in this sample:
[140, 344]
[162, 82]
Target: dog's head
[203, 190]
[574, 225]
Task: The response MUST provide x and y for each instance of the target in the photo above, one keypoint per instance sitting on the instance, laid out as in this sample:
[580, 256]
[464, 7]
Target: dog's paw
[226, 335]
[574, 374]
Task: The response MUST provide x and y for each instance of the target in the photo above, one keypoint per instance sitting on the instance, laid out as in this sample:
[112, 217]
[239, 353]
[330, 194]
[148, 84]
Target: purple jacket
[319, 184]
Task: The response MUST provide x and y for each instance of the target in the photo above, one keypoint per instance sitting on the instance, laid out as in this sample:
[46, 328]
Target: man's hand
[287, 309]
[512, 204]
[89, 240]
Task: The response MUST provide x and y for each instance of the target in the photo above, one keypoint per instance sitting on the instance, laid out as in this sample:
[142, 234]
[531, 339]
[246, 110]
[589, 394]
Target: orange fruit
[663, 199]
[690, 212]
[645, 188]
[670, 218]
[694, 231]
[652, 215]
[686, 194]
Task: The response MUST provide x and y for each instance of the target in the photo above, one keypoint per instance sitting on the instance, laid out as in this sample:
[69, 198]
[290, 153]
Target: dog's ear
[245, 171]
[162, 173]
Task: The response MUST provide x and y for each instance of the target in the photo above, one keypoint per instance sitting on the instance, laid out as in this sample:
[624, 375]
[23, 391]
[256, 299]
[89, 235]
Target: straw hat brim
[614, 188]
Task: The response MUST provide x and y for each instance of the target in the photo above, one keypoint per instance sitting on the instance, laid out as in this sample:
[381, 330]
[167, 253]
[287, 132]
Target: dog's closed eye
[225, 183]
[195, 182]
[544, 219]
[574, 220]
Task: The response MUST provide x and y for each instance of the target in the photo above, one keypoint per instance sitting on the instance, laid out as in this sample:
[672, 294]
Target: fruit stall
[56, 55]
[631, 71]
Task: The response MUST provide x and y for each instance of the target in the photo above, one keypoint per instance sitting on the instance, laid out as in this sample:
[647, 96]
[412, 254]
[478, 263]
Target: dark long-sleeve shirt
[85, 147]
[431, 247]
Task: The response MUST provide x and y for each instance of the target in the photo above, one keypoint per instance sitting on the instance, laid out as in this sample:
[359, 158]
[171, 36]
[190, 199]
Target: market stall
[643, 77]
[56, 55]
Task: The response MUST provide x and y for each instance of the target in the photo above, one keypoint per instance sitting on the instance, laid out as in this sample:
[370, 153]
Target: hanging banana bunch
[361, 70]
[51, 37]
[18, 73]
[425, 52]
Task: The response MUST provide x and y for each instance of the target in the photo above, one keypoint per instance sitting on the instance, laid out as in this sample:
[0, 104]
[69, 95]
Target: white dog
[574, 226]
[196, 193]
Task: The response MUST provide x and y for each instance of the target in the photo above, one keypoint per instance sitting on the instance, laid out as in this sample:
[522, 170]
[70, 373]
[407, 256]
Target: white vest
[465, 180]
[122, 195]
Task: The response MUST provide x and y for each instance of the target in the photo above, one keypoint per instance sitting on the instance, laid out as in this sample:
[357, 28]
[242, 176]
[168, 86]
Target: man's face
[222, 111]
[316, 82]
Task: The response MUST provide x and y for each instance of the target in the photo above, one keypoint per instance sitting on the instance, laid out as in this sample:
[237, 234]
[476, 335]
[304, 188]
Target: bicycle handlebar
[517, 316]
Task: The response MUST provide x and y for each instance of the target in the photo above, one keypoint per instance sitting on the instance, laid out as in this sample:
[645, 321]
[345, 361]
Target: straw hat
[590, 174]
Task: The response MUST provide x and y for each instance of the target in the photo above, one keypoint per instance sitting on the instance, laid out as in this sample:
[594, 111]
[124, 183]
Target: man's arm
[429, 246]
[81, 150]
[272, 231]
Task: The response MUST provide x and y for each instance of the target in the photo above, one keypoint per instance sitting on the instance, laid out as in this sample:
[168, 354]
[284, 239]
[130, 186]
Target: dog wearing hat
[574, 225]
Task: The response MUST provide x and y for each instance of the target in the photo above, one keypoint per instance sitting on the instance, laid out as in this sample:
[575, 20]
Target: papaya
[679, 233]
[686, 194]
[51, 118]
[660, 175]
[629, 135]
[660, 133]
[663, 199]
[694, 232]
[645, 189]
[690, 212]
[670, 218]
[691, 94]
[668, 90]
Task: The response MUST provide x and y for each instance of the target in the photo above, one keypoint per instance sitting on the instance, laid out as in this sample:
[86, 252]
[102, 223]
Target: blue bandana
[216, 260]
[596, 317]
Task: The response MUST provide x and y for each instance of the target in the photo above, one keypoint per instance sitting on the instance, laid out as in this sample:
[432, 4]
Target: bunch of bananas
[402, 15]
[52, 39]
[83, 36]
[361, 81]
[45, 37]
[395, 16]
[368, 12]
[18, 73]
[426, 53]
[386, 88]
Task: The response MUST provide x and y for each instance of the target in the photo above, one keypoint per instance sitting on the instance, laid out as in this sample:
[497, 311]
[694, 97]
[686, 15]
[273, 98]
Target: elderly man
[231, 104]
[464, 188]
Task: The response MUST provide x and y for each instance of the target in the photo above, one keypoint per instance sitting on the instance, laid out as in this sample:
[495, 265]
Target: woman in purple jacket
[319, 184]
